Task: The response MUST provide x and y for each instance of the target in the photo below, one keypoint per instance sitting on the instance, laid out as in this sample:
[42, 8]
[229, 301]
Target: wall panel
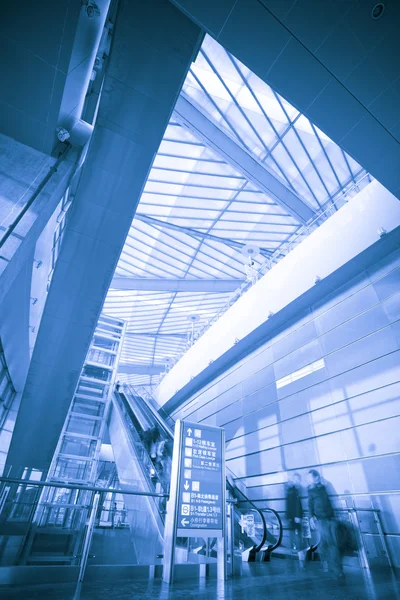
[342, 419]
[387, 285]
[391, 306]
[298, 359]
[347, 308]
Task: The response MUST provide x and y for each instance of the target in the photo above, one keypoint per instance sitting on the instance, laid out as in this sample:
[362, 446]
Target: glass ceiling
[184, 257]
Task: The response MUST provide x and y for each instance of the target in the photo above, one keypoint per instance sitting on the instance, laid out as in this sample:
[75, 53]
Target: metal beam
[214, 138]
[155, 334]
[176, 285]
[200, 235]
[135, 369]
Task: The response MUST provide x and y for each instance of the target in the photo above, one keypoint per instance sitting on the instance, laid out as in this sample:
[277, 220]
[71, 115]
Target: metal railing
[353, 518]
[53, 169]
[25, 515]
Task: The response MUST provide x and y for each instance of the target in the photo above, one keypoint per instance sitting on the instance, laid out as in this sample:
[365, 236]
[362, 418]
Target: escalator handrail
[278, 518]
[126, 405]
[246, 500]
[131, 390]
[160, 421]
[121, 407]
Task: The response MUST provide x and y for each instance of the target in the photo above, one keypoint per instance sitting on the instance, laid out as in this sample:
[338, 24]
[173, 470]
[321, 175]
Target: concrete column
[153, 46]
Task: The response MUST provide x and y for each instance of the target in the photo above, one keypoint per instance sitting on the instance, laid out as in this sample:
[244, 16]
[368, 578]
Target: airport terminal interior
[200, 299]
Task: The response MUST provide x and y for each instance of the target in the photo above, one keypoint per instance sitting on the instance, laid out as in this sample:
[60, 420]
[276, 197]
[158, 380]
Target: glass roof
[198, 212]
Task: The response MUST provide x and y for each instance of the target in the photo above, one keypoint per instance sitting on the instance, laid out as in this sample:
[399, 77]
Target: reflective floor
[278, 580]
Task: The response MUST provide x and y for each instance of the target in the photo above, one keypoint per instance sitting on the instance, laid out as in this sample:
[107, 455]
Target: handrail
[356, 523]
[122, 408]
[10, 229]
[151, 408]
[247, 501]
[273, 547]
[89, 488]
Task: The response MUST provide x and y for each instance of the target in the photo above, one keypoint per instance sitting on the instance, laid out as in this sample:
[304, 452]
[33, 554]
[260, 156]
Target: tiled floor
[278, 580]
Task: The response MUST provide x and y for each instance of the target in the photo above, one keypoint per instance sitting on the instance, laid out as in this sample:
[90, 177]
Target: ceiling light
[92, 10]
[378, 10]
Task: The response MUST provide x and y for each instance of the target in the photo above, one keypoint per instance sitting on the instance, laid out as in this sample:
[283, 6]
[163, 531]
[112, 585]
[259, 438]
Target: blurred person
[148, 437]
[113, 513]
[153, 439]
[121, 517]
[160, 452]
[322, 516]
[294, 514]
[167, 464]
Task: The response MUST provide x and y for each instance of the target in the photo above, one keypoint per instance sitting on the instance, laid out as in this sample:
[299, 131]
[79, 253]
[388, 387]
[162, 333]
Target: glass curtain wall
[76, 458]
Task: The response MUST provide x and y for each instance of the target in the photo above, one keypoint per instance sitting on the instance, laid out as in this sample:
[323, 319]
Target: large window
[78, 446]
[83, 426]
[70, 468]
[7, 391]
[96, 373]
[106, 343]
[92, 388]
[83, 406]
[100, 356]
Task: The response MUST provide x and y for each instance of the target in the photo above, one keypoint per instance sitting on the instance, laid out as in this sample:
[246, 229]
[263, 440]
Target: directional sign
[250, 525]
[201, 484]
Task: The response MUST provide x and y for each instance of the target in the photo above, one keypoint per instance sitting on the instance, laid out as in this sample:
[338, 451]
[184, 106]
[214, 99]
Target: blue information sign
[201, 489]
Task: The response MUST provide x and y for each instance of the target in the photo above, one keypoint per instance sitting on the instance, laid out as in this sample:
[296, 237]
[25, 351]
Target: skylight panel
[192, 190]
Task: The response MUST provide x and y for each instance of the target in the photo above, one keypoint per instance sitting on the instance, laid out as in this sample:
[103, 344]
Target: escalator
[256, 532]
[142, 438]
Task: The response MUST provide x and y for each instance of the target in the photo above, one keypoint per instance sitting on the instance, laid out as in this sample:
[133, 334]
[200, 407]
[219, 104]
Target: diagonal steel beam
[182, 336]
[175, 285]
[138, 369]
[214, 138]
[201, 235]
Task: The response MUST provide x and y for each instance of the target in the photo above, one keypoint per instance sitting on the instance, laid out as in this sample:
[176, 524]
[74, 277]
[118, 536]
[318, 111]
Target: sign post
[247, 524]
[196, 507]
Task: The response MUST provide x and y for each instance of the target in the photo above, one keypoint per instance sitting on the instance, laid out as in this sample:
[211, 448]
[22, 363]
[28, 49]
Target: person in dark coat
[322, 515]
[294, 514]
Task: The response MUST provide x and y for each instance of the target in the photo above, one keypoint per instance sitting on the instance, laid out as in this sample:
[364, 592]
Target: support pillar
[153, 46]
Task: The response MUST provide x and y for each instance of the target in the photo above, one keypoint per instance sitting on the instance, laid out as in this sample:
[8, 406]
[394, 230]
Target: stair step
[34, 558]
[55, 530]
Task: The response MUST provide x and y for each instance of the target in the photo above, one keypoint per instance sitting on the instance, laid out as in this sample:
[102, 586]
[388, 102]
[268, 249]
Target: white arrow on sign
[185, 522]
[186, 486]
[189, 432]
